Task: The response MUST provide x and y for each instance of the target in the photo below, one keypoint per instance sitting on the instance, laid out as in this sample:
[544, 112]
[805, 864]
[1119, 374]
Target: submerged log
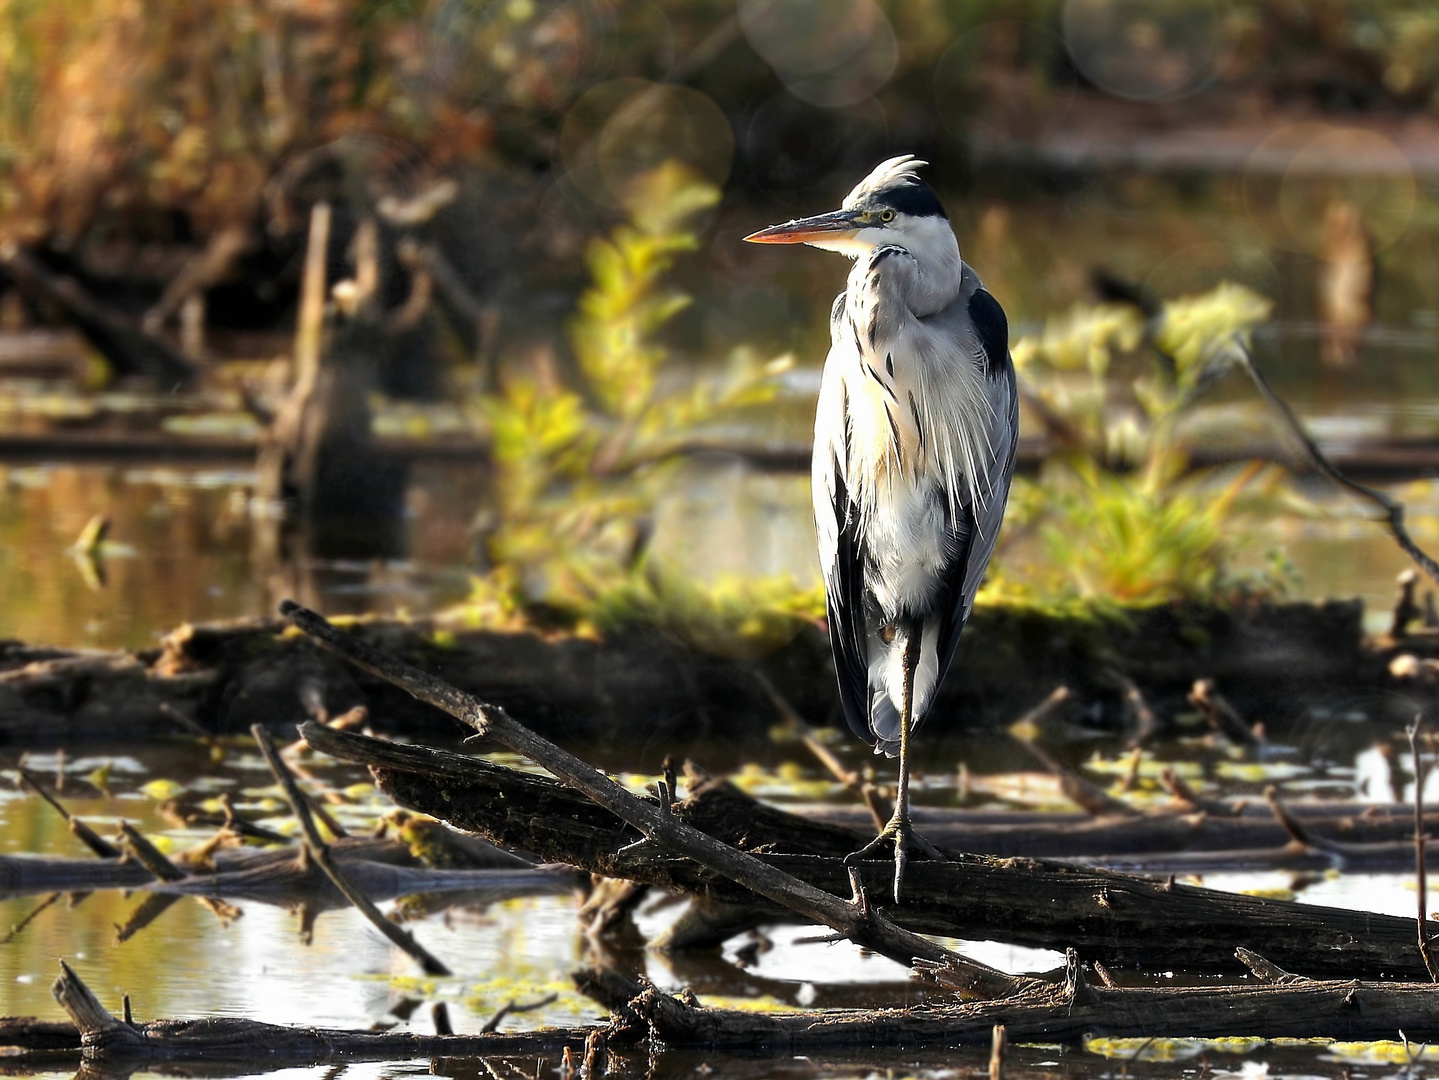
[384, 869]
[1114, 918]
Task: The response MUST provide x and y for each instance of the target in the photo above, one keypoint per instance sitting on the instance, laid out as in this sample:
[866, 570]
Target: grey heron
[914, 441]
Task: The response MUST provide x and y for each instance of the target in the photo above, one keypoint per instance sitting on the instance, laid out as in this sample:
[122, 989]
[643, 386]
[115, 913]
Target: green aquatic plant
[582, 459]
[1121, 516]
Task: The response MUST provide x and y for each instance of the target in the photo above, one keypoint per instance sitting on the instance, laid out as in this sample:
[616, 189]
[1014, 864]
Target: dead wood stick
[310, 322]
[1088, 797]
[823, 754]
[493, 1023]
[320, 853]
[103, 1037]
[996, 1053]
[1392, 508]
[130, 348]
[855, 918]
[1220, 715]
[1421, 916]
[1146, 723]
[82, 832]
[148, 855]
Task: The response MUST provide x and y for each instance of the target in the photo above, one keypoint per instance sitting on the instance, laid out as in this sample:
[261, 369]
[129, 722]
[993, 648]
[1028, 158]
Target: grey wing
[974, 533]
[844, 604]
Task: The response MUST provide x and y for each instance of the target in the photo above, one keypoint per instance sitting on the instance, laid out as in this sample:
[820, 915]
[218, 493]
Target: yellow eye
[886, 215]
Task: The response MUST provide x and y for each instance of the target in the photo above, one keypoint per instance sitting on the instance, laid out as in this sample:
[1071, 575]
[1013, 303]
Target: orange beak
[838, 225]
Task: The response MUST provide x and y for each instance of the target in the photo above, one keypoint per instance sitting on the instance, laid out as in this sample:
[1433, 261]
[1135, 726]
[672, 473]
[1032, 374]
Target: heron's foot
[899, 832]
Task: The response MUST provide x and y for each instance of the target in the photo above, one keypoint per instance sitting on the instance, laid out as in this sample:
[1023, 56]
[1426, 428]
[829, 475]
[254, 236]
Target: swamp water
[180, 548]
[190, 962]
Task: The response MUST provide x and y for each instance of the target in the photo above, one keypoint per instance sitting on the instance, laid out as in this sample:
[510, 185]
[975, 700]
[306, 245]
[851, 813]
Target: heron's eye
[886, 215]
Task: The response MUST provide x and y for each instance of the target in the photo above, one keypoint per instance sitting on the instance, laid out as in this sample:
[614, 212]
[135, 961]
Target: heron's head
[891, 205]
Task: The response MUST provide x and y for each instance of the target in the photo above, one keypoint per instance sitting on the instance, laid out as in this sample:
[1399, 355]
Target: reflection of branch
[1393, 510]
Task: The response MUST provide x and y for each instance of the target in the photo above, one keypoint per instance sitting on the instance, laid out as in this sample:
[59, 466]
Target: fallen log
[1275, 661]
[1374, 839]
[1117, 919]
[102, 1037]
[855, 918]
[1298, 1008]
[1289, 1007]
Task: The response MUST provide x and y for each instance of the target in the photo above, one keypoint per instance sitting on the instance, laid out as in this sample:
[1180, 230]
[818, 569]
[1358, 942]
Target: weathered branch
[130, 348]
[855, 919]
[1393, 509]
[1114, 918]
[319, 853]
[103, 1037]
[1283, 1006]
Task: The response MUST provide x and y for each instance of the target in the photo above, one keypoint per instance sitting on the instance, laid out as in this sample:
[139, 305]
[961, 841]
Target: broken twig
[319, 852]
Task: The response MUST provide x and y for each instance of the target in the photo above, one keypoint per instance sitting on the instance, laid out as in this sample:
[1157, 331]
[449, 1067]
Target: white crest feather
[886, 173]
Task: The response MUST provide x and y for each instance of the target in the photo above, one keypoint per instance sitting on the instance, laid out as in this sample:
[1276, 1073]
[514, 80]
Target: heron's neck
[936, 252]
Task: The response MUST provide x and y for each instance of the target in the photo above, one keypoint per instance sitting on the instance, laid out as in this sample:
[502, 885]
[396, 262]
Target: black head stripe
[911, 197]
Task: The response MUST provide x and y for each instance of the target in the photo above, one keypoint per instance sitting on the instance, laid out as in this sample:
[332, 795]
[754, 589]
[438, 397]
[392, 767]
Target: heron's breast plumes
[919, 419]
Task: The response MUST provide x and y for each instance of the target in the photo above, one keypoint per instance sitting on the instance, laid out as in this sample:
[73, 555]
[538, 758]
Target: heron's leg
[899, 830]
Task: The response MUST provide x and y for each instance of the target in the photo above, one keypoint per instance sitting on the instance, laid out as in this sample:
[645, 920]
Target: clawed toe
[901, 834]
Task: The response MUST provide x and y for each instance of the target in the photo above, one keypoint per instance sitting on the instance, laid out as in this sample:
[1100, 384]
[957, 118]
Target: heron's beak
[839, 225]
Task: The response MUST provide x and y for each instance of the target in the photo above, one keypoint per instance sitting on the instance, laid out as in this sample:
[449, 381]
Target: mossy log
[1272, 662]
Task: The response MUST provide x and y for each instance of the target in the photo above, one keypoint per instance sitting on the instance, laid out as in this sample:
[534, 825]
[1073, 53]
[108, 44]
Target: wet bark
[1291, 1008]
[1338, 1009]
[1114, 918]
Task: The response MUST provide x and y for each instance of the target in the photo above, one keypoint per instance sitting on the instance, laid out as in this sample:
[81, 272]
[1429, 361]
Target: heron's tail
[884, 721]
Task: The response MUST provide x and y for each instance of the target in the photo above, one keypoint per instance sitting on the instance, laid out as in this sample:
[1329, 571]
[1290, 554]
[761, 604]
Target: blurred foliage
[161, 117]
[581, 460]
[1122, 517]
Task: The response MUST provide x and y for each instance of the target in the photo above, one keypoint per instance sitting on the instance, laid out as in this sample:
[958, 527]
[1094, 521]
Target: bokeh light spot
[1148, 50]
[1294, 176]
[827, 52]
[625, 127]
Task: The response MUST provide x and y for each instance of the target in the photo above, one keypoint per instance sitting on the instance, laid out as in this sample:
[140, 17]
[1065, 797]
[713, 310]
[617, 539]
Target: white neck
[936, 254]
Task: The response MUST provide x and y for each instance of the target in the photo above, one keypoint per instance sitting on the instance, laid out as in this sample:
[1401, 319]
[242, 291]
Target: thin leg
[899, 830]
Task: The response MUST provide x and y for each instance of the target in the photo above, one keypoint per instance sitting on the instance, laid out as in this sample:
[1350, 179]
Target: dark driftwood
[1113, 918]
[855, 919]
[1041, 835]
[103, 1037]
[1289, 1007]
[1271, 661]
[129, 347]
[1346, 1009]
